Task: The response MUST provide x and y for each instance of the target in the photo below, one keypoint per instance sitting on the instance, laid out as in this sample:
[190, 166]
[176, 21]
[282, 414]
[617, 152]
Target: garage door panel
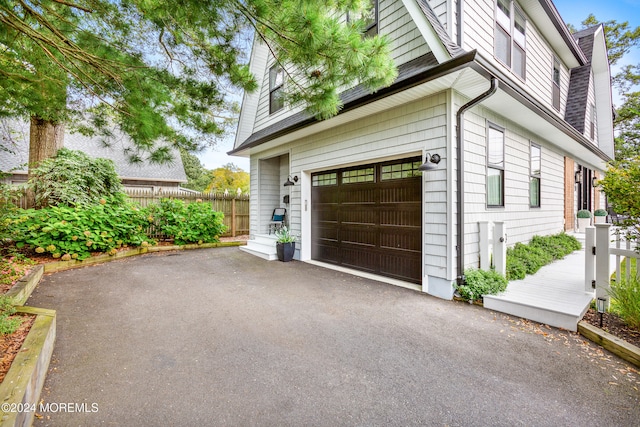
[408, 239]
[370, 218]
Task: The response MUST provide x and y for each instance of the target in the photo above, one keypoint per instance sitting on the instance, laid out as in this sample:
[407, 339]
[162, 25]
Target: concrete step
[263, 246]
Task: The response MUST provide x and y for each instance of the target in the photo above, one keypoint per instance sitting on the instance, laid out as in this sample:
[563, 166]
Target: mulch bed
[614, 325]
[10, 344]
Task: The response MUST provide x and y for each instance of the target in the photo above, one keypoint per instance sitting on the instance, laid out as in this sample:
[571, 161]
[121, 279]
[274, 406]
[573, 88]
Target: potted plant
[285, 244]
[584, 220]
[600, 216]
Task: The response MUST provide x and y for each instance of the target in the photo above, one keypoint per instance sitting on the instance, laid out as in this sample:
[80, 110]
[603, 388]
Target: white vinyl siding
[406, 44]
[521, 220]
[590, 114]
[479, 33]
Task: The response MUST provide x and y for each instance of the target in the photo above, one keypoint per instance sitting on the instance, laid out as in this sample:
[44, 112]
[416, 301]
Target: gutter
[460, 174]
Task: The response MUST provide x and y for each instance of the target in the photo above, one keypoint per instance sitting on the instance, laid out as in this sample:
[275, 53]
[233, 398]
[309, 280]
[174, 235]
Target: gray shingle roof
[576, 110]
[15, 136]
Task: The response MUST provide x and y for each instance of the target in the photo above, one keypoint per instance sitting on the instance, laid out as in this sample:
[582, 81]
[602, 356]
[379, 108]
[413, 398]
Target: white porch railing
[598, 258]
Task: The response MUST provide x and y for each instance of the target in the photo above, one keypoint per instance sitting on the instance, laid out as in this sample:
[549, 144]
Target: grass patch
[625, 295]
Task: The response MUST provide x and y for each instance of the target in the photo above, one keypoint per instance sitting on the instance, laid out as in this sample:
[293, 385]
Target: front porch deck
[555, 295]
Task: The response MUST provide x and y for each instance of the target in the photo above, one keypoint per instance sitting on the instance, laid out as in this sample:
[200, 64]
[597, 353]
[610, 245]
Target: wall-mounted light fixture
[578, 176]
[430, 162]
[594, 181]
[290, 182]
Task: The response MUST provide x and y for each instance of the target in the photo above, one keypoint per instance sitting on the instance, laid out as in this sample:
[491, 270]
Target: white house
[517, 109]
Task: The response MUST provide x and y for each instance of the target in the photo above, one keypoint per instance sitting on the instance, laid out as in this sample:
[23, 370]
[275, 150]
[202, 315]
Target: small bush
[73, 178]
[192, 223]
[583, 213]
[600, 212]
[8, 325]
[626, 300]
[481, 282]
[75, 232]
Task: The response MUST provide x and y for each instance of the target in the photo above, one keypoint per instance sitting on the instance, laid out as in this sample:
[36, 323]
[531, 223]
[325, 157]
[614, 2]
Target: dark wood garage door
[369, 218]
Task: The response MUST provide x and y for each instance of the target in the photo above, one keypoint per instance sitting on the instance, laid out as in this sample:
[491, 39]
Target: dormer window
[510, 37]
[276, 81]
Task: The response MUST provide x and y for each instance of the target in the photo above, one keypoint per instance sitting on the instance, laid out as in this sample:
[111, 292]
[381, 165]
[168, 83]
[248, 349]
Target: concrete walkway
[218, 337]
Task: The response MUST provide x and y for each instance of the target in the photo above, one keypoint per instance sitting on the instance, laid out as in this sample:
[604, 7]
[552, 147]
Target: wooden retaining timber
[615, 345]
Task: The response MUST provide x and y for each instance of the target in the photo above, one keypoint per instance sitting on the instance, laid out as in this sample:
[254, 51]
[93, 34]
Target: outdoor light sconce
[594, 181]
[427, 166]
[289, 182]
[601, 305]
[578, 176]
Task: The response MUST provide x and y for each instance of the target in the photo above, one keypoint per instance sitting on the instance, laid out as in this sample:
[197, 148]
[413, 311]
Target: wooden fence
[234, 207]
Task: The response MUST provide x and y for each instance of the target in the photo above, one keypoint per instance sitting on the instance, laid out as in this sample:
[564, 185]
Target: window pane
[276, 77]
[495, 148]
[503, 14]
[519, 29]
[324, 179]
[556, 71]
[503, 46]
[400, 170]
[556, 96]
[358, 175]
[275, 101]
[534, 192]
[519, 59]
[494, 187]
[535, 160]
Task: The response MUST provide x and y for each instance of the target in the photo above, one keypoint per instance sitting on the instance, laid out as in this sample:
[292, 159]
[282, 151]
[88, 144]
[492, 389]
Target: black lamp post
[601, 304]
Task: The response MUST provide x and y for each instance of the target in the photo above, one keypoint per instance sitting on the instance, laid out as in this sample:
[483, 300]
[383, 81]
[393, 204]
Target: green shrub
[626, 300]
[74, 232]
[8, 325]
[481, 282]
[193, 223]
[600, 212]
[583, 213]
[527, 259]
[73, 178]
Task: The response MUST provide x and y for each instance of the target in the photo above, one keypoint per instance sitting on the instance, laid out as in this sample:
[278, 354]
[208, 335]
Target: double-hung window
[511, 37]
[535, 162]
[555, 86]
[276, 82]
[495, 167]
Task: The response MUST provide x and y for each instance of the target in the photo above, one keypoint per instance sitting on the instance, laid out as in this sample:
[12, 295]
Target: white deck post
[589, 258]
[500, 247]
[485, 257]
[603, 239]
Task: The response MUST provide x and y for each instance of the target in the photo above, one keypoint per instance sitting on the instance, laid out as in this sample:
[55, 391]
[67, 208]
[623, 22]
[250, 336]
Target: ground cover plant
[523, 259]
[625, 295]
[481, 282]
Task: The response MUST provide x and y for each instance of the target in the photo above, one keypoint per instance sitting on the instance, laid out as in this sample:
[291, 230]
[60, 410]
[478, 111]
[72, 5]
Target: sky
[572, 11]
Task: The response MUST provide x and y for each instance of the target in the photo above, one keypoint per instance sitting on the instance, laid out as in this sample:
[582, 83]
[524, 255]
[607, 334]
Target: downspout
[460, 173]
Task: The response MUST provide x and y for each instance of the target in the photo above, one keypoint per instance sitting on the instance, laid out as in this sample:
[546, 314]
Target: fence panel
[234, 207]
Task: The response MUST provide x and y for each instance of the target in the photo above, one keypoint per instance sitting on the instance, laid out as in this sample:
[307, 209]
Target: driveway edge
[615, 345]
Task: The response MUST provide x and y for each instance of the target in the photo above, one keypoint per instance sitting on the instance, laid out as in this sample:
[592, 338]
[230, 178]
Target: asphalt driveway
[218, 337]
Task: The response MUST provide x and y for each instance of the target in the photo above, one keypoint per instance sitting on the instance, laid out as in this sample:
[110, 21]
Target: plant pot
[285, 251]
[583, 223]
[599, 219]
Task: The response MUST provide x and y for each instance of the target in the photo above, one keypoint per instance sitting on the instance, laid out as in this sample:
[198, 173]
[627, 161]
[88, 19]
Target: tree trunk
[45, 139]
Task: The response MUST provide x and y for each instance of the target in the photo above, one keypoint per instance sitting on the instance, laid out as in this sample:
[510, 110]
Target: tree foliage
[228, 178]
[164, 70]
[621, 184]
[197, 176]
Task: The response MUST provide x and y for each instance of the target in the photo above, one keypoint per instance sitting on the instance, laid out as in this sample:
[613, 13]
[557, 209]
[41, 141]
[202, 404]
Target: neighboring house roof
[116, 148]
